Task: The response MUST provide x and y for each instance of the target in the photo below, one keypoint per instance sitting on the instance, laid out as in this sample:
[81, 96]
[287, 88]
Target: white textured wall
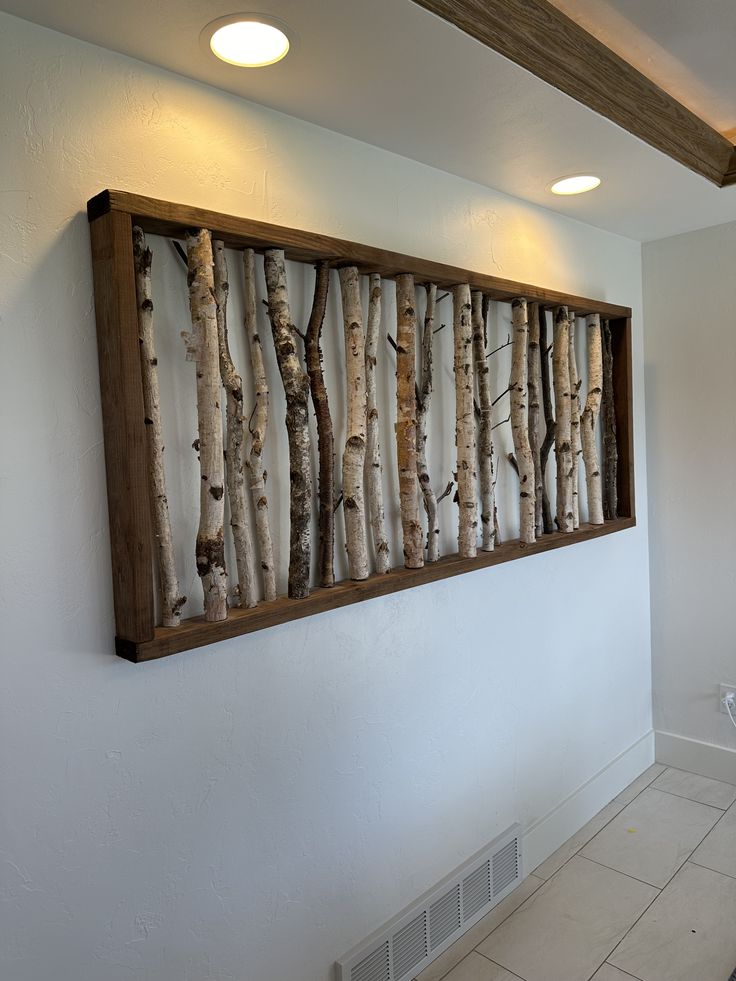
[251, 810]
[690, 296]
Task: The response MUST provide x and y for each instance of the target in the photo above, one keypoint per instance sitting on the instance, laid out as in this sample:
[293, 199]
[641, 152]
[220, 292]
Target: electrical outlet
[723, 691]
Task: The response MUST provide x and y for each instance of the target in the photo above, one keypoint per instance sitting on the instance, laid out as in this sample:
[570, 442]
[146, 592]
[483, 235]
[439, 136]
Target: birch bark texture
[296, 389]
[520, 419]
[258, 427]
[406, 420]
[534, 388]
[482, 371]
[563, 425]
[467, 538]
[590, 418]
[424, 401]
[325, 436]
[575, 438]
[373, 468]
[171, 600]
[549, 420]
[608, 416]
[234, 438]
[203, 349]
[353, 460]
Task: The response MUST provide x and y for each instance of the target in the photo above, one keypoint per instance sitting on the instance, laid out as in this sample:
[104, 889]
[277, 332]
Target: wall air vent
[412, 940]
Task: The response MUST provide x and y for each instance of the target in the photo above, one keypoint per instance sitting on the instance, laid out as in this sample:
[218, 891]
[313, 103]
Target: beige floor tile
[566, 930]
[477, 968]
[694, 787]
[609, 973]
[565, 852]
[470, 940]
[652, 837]
[689, 934]
[718, 851]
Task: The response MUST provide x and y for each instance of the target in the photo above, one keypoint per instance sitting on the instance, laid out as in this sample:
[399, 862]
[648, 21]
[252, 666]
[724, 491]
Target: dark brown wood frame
[552, 46]
[112, 215]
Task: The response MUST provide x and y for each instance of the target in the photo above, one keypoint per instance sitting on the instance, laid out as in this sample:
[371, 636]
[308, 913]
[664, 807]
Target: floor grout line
[496, 964]
[716, 807]
[709, 869]
[610, 868]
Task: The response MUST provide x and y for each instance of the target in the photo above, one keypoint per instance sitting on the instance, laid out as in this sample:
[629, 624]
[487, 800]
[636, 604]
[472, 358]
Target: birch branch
[590, 417]
[296, 389]
[534, 387]
[406, 421]
[479, 317]
[234, 438]
[203, 349]
[608, 415]
[325, 437]
[373, 468]
[353, 460]
[465, 423]
[549, 420]
[563, 434]
[171, 601]
[258, 428]
[575, 439]
[424, 400]
[520, 420]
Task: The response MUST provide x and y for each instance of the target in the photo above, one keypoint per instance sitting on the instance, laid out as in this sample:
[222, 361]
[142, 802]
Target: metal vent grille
[374, 967]
[476, 890]
[505, 867]
[412, 940]
[409, 945]
[444, 917]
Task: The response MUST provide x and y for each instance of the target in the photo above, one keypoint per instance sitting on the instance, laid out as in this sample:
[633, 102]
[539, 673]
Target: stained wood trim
[544, 41]
[121, 392]
[169, 219]
[195, 632]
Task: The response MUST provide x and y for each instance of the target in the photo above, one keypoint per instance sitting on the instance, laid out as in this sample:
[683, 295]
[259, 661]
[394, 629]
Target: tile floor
[645, 891]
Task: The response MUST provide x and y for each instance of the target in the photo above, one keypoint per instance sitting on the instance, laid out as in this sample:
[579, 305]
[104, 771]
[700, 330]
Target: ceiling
[391, 74]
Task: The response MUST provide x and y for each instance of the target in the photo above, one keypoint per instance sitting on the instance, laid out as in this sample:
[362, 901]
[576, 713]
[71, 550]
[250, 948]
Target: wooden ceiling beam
[540, 38]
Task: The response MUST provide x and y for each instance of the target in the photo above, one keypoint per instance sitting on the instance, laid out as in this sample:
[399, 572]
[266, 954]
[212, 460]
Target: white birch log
[353, 461]
[171, 601]
[373, 468]
[467, 538]
[520, 420]
[485, 427]
[202, 348]
[296, 389]
[534, 387]
[258, 428]
[406, 420]
[563, 426]
[424, 401]
[575, 439]
[590, 418]
[234, 439]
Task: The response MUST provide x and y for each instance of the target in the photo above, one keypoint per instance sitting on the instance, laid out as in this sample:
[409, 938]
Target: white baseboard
[707, 759]
[547, 834]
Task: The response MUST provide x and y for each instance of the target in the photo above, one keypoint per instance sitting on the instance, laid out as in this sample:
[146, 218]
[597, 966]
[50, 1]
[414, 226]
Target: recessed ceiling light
[247, 40]
[577, 184]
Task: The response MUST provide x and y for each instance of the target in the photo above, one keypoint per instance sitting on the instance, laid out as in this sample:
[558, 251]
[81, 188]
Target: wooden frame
[112, 215]
[552, 46]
